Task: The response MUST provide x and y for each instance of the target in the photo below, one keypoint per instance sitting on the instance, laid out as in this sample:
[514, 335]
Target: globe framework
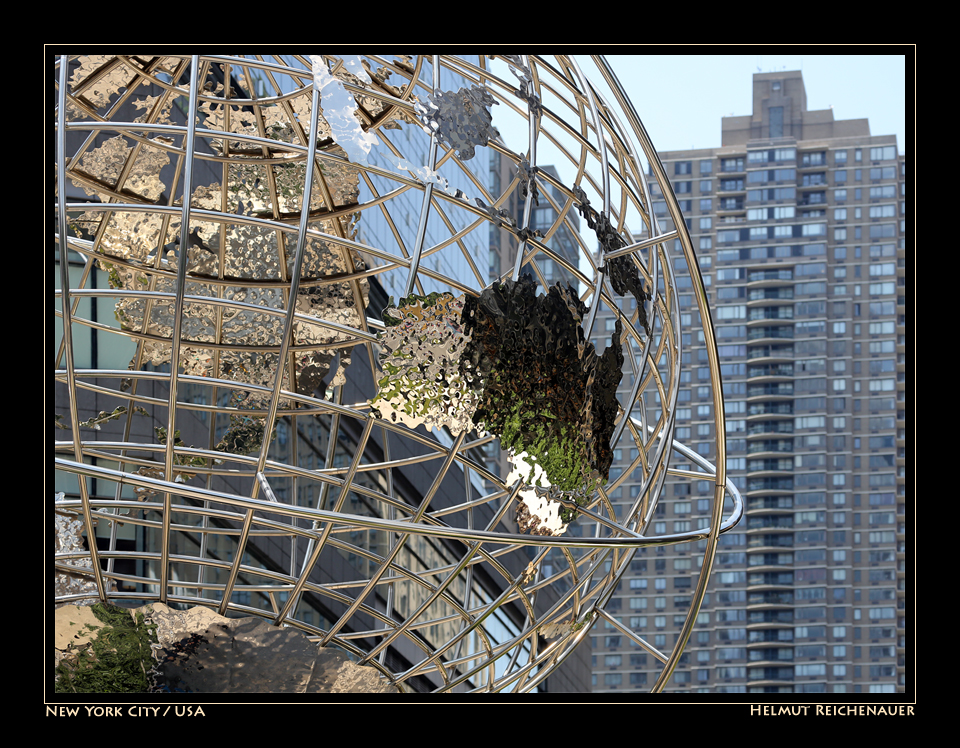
[333, 334]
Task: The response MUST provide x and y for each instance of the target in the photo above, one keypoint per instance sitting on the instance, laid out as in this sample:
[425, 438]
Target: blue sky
[681, 98]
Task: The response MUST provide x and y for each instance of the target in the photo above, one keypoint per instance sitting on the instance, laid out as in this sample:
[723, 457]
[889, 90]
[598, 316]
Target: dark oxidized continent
[542, 387]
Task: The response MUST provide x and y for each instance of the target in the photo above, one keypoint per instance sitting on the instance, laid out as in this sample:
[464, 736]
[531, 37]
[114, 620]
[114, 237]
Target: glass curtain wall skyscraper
[798, 220]
[543, 221]
[301, 439]
[394, 230]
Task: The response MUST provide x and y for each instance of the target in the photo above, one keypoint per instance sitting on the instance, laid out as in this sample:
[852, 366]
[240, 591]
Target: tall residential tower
[798, 220]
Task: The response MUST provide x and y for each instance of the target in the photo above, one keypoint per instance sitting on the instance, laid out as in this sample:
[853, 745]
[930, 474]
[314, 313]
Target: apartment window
[883, 172]
[883, 211]
[731, 164]
[883, 153]
[883, 191]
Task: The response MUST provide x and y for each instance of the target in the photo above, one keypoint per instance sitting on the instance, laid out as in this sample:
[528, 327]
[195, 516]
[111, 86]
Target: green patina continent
[542, 388]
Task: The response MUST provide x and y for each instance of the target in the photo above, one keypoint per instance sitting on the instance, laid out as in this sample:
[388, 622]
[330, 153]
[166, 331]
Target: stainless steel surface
[277, 187]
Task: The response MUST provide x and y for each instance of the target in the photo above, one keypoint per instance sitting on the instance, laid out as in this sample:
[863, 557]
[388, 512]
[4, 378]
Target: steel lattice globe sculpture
[348, 344]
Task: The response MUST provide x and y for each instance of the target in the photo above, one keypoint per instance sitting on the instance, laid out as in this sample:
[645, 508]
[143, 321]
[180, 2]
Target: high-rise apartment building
[798, 220]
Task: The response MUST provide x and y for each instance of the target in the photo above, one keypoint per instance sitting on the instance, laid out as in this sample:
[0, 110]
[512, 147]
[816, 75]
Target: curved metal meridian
[230, 253]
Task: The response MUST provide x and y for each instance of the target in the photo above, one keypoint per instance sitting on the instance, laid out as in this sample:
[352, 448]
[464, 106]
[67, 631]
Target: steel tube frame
[600, 140]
